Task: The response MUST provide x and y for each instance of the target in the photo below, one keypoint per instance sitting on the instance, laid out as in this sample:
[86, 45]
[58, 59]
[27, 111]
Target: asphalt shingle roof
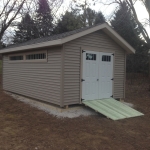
[50, 38]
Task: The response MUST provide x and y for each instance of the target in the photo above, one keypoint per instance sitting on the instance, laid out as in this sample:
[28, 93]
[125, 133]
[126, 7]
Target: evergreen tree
[26, 30]
[99, 18]
[44, 19]
[125, 25]
[69, 21]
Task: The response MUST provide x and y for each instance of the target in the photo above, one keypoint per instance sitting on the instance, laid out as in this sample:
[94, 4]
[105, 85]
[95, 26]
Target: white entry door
[90, 75]
[105, 75]
[97, 75]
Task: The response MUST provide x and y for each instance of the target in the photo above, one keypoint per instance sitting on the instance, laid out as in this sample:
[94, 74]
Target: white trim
[105, 27]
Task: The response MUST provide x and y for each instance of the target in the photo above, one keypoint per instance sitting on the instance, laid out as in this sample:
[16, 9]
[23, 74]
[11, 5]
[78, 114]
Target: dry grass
[26, 128]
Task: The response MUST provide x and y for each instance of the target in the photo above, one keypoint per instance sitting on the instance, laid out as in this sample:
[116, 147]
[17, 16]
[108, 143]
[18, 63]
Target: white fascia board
[32, 46]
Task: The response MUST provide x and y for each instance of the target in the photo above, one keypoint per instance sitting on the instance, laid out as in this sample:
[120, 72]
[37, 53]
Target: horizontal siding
[38, 80]
[98, 40]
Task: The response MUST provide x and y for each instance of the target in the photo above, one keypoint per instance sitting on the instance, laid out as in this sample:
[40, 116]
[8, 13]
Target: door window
[106, 58]
[90, 56]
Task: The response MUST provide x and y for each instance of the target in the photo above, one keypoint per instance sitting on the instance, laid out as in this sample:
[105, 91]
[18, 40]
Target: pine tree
[125, 25]
[44, 19]
[69, 21]
[26, 30]
[99, 18]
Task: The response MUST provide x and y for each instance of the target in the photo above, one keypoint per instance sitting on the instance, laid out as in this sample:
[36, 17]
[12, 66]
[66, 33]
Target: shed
[64, 69]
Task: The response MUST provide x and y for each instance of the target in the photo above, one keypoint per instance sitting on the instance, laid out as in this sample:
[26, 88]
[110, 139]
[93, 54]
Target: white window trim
[28, 53]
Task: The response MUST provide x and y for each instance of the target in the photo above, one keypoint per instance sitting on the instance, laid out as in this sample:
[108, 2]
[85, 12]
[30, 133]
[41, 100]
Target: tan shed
[64, 69]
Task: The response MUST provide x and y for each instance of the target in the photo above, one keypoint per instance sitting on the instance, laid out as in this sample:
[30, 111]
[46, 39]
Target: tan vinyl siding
[39, 80]
[97, 41]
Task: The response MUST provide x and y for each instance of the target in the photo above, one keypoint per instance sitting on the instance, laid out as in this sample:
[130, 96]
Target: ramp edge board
[112, 108]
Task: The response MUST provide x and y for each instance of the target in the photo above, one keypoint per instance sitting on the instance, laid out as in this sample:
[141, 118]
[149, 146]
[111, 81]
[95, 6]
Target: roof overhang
[105, 27]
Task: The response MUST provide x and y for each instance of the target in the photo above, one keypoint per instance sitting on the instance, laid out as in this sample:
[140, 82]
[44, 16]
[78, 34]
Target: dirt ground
[25, 128]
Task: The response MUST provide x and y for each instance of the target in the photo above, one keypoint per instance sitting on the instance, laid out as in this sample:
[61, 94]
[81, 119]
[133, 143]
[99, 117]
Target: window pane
[106, 58]
[16, 57]
[90, 56]
[36, 56]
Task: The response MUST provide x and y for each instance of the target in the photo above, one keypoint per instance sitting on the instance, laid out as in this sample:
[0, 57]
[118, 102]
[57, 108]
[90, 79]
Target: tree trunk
[149, 66]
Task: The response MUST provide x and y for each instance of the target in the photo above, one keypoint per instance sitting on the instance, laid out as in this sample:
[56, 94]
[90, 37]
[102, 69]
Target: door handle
[97, 79]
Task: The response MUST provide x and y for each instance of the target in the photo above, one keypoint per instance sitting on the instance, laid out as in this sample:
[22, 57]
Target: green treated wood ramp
[112, 108]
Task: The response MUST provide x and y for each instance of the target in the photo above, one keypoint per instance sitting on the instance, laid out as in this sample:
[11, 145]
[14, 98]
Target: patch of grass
[0, 66]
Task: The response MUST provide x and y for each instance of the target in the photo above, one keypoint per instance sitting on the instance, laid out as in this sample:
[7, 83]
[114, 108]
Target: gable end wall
[97, 41]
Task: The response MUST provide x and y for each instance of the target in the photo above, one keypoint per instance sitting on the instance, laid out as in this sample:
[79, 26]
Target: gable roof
[60, 39]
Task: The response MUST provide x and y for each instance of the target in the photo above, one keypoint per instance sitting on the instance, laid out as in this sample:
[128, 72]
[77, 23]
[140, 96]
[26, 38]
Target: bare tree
[8, 13]
[11, 12]
[131, 5]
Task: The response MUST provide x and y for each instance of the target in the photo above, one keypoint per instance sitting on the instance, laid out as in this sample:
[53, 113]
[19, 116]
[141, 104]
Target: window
[90, 56]
[36, 56]
[14, 58]
[106, 58]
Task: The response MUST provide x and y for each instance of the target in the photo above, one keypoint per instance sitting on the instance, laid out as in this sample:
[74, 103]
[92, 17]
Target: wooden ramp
[112, 108]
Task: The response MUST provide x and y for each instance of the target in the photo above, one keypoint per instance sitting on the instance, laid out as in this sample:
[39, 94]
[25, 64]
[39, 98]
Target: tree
[131, 5]
[89, 16]
[44, 19]
[69, 21]
[99, 18]
[125, 24]
[9, 12]
[26, 30]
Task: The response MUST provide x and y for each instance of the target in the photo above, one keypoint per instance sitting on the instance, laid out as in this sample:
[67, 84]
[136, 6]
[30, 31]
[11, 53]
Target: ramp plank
[104, 110]
[124, 107]
[112, 109]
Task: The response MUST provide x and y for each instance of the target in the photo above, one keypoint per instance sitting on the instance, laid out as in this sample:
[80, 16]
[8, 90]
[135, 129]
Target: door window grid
[106, 58]
[90, 56]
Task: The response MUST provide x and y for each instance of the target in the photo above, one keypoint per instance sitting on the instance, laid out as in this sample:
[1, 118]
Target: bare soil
[25, 128]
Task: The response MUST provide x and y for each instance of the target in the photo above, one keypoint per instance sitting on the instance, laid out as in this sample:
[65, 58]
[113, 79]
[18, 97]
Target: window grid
[106, 58]
[90, 56]
[14, 58]
[36, 56]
